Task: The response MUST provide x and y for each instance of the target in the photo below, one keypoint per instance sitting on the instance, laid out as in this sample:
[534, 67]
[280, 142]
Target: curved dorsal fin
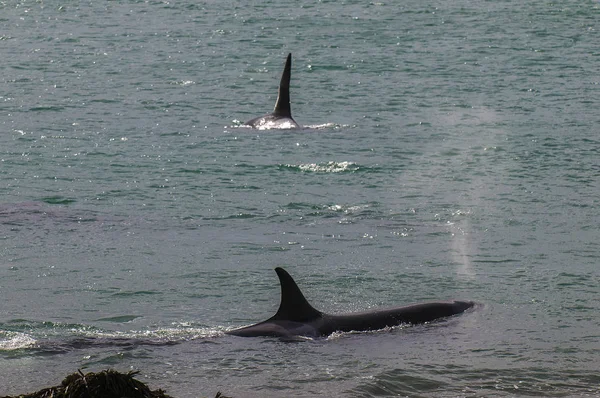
[293, 306]
[282, 106]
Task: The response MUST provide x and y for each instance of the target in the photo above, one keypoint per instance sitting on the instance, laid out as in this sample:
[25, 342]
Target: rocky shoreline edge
[105, 384]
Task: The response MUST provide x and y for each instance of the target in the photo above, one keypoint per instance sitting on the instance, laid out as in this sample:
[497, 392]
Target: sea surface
[451, 150]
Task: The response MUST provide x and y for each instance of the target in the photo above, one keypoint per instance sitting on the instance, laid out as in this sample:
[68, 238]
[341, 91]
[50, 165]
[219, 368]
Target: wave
[287, 126]
[49, 337]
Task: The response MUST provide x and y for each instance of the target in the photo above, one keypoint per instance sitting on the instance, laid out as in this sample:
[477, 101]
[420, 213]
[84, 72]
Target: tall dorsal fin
[293, 306]
[282, 106]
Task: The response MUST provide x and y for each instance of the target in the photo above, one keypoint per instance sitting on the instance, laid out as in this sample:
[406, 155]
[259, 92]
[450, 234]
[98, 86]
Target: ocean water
[451, 150]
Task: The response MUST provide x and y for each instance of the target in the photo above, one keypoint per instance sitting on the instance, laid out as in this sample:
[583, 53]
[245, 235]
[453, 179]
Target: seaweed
[105, 384]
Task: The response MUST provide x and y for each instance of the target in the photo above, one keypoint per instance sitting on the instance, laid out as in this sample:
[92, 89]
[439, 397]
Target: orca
[296, 317]
[281, 117]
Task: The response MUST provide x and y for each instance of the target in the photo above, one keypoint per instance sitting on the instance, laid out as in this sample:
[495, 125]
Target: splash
[11, 341]
[178, 332]
[327, 167]
[288, 126]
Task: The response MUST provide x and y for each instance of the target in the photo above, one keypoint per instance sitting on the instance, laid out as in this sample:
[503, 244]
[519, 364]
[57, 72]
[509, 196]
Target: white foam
[178, 332]
[329, 167]
[10, 341]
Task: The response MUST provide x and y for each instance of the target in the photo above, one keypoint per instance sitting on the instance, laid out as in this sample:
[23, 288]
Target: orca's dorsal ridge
[296, 317]
[281, 117]
[293, 306]
[283, 107]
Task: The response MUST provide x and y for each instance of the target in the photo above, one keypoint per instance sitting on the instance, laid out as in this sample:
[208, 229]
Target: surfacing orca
[281, 118]
[296, 317]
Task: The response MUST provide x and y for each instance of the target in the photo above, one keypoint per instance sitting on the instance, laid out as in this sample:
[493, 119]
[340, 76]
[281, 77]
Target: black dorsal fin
[293, 306]
[282, 106]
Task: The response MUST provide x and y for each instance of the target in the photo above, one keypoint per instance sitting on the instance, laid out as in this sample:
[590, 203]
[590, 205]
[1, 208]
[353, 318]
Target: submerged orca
[296, 317]
[282, 114]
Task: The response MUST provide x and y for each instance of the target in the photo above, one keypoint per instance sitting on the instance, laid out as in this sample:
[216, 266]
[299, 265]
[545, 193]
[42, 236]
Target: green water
[451, 151]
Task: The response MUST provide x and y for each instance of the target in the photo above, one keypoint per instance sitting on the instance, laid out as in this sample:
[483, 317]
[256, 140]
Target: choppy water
[457, 155]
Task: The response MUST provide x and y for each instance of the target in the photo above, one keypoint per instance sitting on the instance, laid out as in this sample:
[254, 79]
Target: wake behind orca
[296, 317]
[281, 117]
